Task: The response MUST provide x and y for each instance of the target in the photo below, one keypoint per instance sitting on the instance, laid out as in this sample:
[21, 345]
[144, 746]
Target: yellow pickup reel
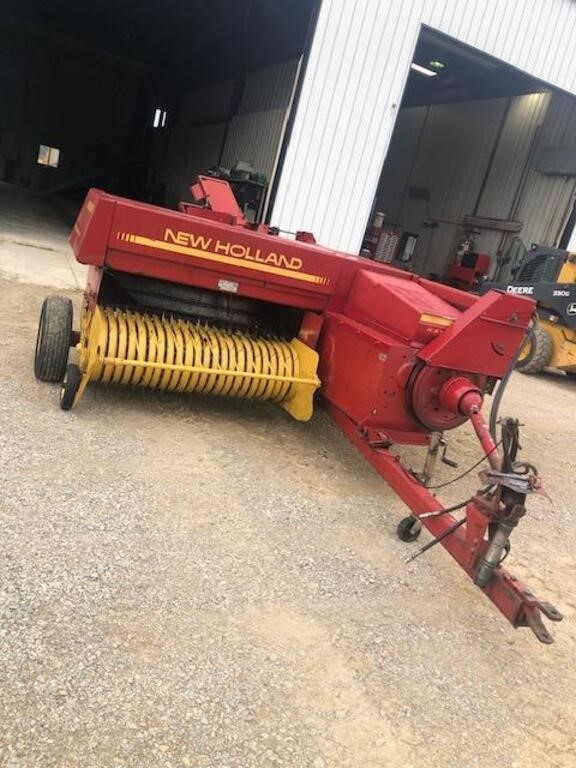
[125, 347]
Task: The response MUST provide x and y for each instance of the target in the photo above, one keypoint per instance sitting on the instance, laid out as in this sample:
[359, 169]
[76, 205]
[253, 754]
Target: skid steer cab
[201, 301]
[547, 275]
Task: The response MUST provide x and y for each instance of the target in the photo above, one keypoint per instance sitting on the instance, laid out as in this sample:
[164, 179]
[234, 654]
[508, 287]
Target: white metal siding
[356, 73]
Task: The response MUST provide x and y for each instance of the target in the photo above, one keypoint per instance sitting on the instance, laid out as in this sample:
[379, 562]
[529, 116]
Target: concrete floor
[34, 244]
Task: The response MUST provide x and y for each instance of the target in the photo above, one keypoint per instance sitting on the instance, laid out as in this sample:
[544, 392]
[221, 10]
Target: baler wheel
[536, 353]
[69, 386]
[408, 529]
[53, 339]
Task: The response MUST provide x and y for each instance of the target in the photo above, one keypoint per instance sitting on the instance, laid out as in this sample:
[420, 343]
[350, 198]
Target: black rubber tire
[69, 386]
[53, 339]
[539, 352]
[408, 529]
[571, 375]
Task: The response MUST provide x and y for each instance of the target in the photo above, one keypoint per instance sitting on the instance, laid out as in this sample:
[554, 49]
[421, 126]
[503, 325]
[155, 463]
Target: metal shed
[349, 107]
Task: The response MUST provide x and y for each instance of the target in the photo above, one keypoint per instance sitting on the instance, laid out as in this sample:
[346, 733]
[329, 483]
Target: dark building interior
[88, 90]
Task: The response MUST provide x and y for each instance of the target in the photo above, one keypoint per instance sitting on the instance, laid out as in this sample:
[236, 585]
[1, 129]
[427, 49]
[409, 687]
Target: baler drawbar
[199, 300]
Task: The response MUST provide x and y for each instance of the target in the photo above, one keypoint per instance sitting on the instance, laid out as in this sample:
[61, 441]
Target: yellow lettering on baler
[199, 241]
[238, 250]
[175, 237]
[227, 253]
[187, 238]
[280, 260]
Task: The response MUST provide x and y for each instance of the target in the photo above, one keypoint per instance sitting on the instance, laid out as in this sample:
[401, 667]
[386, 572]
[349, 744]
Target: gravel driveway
[202, 582]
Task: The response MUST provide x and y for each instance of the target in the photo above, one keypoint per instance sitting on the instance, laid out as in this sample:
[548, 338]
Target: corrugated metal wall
[547, 200]
[356, 73]
[514, 156]
[515, 147]
[192, 150]
[255, 133]
[478, 158]
[449, 155]
[192, 142]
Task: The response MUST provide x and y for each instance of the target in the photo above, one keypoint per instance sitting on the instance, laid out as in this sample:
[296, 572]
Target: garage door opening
[137, 97]
[481, 165]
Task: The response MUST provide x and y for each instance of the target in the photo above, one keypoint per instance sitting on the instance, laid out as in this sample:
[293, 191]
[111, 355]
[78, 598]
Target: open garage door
[482, 164]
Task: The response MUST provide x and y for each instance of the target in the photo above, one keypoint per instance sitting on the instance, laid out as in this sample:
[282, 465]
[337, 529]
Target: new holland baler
[201, 301]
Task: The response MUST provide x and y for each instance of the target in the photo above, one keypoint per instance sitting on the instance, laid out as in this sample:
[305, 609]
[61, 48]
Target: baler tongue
[491, 516]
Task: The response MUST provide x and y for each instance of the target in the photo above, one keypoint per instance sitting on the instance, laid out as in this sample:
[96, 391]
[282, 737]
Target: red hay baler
[199, 300]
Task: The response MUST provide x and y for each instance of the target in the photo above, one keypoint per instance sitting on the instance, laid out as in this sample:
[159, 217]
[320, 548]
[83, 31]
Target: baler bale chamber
[200, 301]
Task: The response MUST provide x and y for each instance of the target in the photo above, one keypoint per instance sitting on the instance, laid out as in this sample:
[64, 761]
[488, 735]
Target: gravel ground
[201, 582]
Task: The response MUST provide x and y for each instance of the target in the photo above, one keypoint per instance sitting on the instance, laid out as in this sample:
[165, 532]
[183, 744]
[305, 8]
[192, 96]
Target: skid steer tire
[537, 354]
[53, 339]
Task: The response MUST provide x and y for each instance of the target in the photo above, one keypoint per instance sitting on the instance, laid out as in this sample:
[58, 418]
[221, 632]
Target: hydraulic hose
[499, 394]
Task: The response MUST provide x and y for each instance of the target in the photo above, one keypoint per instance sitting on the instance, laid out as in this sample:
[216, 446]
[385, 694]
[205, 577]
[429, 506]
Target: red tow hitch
[480, 541]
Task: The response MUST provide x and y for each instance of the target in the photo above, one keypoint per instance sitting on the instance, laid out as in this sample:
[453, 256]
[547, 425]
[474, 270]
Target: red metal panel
[395, 304]
[483, 339]
[453, 296]
[310, 328]
[184, 273]
[364, 373]
[89, 236]
[174, 240]
[218, 196]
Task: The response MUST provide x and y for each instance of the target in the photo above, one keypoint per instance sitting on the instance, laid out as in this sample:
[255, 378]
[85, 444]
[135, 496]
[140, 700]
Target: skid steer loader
[547, 275]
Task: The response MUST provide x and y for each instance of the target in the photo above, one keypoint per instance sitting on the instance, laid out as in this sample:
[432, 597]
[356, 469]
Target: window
[160, 116]
[49, 156]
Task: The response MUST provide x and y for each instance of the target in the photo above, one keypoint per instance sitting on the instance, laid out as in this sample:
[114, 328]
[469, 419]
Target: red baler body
[377, 322]
[393, 346]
